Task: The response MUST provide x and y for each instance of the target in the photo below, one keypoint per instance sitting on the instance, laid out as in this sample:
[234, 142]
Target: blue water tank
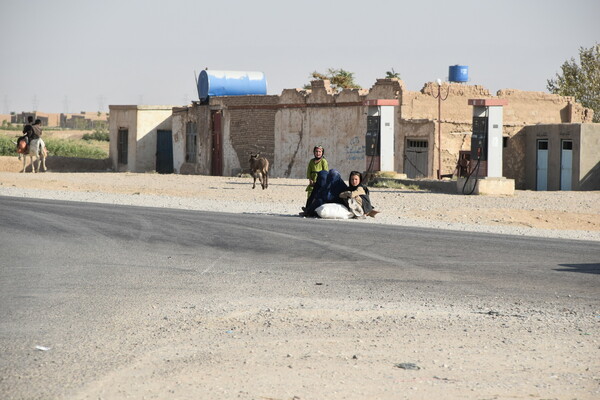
[230, 83]
[458, 73]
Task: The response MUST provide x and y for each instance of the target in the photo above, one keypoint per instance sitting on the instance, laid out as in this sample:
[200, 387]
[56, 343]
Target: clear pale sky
[81, 55]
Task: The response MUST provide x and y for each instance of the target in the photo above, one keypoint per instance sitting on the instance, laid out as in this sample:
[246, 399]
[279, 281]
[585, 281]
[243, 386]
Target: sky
[82, 55]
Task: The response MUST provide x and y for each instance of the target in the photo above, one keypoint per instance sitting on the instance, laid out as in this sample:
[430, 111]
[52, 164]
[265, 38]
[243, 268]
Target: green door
[164, 152]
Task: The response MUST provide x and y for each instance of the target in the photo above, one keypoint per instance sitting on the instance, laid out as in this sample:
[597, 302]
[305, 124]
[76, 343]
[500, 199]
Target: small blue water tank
[458, 73]
[230, 83]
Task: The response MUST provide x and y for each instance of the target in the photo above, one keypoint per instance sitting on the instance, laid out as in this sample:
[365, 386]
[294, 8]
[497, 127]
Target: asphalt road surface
[96, 285]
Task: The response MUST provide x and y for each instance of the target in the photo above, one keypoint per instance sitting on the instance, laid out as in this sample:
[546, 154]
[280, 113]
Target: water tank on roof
[458, 73]
[231, 83]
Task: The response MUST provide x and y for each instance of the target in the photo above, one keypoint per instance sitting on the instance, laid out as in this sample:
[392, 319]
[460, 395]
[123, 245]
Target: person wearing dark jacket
[356, 198]
[27, 130]
[327, 189]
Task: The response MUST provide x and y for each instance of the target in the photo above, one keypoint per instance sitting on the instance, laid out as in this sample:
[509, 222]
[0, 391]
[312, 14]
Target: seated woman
[356, 198]
[326, 189]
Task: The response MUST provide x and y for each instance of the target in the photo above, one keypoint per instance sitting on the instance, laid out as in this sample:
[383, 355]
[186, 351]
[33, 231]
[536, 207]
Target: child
[315, 165]
[357, 198]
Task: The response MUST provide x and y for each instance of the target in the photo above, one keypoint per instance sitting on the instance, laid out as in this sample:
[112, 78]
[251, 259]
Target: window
[417, 144]
[122, 145]
[190, 142]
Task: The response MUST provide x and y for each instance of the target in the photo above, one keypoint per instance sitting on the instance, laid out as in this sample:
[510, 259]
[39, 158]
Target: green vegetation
[7, 147]
[74, 148]
[385, 174]
[7, 126]
[582, 81]
[97, 135]
[387, 179]
[339, 79]
[391, 184]
[58, 147]
[392, 74]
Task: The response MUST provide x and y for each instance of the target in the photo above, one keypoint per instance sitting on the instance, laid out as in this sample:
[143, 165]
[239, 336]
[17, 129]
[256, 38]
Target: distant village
[78, 121]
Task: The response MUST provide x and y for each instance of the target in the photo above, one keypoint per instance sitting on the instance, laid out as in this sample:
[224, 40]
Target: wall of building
[150, 119]
[336, 121]
[248, 127]
[339, 130]
[122, 117]
[142, 122]
[200, 115]
[178, 126]
[589, 157]
[586, 154]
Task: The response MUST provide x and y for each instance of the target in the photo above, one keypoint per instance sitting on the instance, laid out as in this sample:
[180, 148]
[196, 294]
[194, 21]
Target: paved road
[86, 277]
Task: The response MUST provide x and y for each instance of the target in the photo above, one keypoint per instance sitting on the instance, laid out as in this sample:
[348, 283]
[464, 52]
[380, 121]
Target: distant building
[84, 120]
[80, 121]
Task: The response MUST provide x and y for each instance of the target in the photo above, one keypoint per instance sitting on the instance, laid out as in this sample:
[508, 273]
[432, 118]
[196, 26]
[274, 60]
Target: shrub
[7, 147]
[57, 147]
[391, 184]
[97, 135]
[73, 148]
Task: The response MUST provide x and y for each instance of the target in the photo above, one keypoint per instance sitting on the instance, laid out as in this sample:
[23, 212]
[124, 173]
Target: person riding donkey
[23, 141]
[36, 133]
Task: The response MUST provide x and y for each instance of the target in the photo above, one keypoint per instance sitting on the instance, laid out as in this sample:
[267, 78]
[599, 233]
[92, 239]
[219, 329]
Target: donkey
[36, 148]
[259, 168]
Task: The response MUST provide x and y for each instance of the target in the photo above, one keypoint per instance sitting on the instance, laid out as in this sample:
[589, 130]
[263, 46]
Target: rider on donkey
[31, 132]
[27, 132]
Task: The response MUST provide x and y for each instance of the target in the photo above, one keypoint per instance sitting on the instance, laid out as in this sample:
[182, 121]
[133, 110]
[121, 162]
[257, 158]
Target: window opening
[190, 142]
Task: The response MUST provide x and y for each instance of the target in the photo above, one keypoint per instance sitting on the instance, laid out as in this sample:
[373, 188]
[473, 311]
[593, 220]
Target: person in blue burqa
[327, 189]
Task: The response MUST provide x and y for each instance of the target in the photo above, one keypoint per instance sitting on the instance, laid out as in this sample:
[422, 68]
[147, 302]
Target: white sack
[333, 211]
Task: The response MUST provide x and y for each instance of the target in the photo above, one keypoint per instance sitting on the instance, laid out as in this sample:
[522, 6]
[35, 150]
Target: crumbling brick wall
[248, 127]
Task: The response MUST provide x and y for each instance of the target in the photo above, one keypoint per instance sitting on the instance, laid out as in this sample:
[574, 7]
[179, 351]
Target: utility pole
[440, 99]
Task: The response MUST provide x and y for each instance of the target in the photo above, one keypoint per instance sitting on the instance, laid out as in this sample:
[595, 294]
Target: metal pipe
[439, 131]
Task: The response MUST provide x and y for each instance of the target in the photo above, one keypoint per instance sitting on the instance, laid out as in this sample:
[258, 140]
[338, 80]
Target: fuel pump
[479, 138]
[379, 137]
[479, 142]
[372, 136]
[486, 148]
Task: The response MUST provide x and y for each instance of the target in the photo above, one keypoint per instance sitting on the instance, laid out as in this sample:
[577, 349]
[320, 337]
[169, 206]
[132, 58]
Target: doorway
[164, 152]
[566, 164]
[217, 145]
[415, 158]
[542, 165]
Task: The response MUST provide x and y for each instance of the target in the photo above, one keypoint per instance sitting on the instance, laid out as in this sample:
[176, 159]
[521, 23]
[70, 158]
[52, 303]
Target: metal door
[217, 146]
[123, 146]
[415, 158]
[164, 152]
[542, 165]
[566, 164]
